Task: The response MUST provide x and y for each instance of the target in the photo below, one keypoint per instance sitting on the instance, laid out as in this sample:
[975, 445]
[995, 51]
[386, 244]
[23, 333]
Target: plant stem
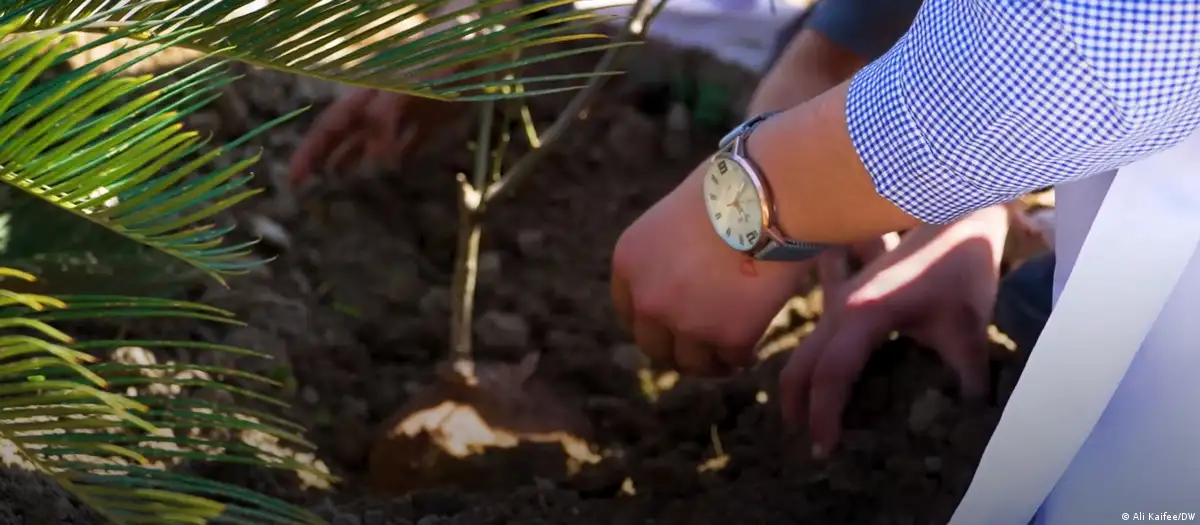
[634, 28]
[466, 270]
[470, 228]
[487, 185]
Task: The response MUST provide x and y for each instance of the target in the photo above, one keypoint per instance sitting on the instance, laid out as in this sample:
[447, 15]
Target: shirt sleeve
[982, 101]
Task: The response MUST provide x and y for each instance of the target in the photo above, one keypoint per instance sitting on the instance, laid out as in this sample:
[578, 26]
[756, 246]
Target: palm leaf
[95, 145]
[395, 45]
[109, 450]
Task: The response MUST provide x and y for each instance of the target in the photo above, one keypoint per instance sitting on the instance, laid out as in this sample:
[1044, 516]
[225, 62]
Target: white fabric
[1124, 326]
[738, 31]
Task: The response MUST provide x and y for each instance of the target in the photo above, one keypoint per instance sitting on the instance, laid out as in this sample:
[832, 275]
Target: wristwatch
[740, 205]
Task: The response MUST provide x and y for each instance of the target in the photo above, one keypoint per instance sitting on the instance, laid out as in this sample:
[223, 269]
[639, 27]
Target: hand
[937, 287]
[375, 126]
[691, 301]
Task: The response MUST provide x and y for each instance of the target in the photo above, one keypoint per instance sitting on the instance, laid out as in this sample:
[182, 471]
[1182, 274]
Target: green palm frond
[68, 419]
[96, 145]
[358, 42]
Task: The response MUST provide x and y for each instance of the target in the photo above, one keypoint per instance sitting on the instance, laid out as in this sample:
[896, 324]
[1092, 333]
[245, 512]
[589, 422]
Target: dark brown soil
[355, 310]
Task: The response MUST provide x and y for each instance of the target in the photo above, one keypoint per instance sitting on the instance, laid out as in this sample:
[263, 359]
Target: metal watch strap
[745, 128]
[789, 251]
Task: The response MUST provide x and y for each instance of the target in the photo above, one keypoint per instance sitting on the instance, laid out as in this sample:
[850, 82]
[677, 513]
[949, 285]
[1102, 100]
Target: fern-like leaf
[395, 45]
[96, 145]
[65, 415]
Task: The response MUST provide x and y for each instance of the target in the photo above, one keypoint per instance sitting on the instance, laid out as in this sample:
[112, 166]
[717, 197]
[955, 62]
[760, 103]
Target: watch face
[733, 203]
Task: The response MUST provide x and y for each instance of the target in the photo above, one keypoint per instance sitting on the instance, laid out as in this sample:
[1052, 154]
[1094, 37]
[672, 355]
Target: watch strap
[744, 128]
[789, 250]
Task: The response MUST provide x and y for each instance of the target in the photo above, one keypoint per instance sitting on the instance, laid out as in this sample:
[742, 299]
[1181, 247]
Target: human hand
[937, 287]
[691, 301]
[370, 125]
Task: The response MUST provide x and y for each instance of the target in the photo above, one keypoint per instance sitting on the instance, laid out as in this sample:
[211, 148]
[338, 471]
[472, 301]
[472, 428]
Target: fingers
[870, 250]
[833, 268]
[833, 271]
[668, 350]
[698, 359]
[345, 154]
[962, 345]
[832, 381]
[655, 341]
[622, 300]
[335, 123]
[384, 126]
[820, 374]
[796, 374]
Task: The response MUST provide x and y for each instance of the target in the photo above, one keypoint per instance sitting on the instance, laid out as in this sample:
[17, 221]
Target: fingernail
[818, 452]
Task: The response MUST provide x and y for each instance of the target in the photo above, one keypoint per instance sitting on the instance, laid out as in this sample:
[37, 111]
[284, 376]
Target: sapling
[489, 183]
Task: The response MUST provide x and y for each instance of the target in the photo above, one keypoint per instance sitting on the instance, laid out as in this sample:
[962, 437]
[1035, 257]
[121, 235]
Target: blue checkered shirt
[985, 100]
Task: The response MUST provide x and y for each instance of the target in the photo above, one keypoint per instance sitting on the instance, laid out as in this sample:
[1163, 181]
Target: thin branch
[531, 133]
[483, 145]
[634, 29]
[466, 263]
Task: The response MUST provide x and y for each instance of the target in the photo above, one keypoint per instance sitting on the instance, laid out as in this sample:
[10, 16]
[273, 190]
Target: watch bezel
[766, 233]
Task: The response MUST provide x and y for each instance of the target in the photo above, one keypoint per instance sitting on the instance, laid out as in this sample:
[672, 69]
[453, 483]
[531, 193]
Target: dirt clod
[502, 330]
[926, 410]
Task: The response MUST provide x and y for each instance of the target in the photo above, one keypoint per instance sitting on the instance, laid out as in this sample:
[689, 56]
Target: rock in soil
[454, 433]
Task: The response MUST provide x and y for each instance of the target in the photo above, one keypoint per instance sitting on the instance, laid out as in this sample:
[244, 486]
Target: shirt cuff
[892, 145]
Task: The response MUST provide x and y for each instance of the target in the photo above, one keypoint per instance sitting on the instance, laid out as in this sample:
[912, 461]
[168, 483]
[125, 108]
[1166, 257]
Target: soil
[355, 313]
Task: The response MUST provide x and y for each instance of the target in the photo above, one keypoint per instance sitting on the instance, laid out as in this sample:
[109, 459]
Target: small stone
[313, 91]
[373, 517]
[346, 519]
[678, 120]
[933, 464]
[351, 442]
[270, 231]
[205, 122]
[133, 355]
[629, 357]
[310, 395]
[633, 134]
[489, 266]
[926, 410]
[503, 330]
[435, 303]
[355, 408]
[677, 142]
[530, 242]
[234, 112]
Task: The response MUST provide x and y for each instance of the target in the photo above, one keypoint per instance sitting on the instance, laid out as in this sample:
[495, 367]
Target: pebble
[310, 395]
[436, 302]
[530, 242]
[133, 355]
[926, 410]
[629, 357]
[346, 519]
[270, 231]
[933, 464]
[489, 266]
[502, 330]
[373, 517]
